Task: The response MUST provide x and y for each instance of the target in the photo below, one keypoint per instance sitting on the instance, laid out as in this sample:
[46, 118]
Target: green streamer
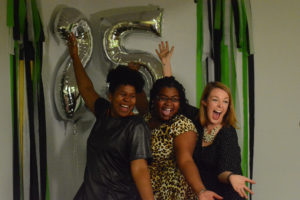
[47, 187]
[233, 65]
[245, 90]
[245, 109]
[242, 22]
[36, 21]
[199, 73]
[10, 14]
[22, 15]
[217, 23]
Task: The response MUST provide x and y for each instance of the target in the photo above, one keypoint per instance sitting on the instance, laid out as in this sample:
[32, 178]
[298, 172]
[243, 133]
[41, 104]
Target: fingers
[163, 45]
[248, 190]
[216, 196]
[134, 65]
[72, 40]
[71, 37]
[250, 181]
[171, 51]
[244, 193]
[167, 45]
[157, 52]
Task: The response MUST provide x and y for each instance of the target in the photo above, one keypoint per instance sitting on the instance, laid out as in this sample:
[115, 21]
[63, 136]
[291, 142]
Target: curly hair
[122, 75]
[169, 82]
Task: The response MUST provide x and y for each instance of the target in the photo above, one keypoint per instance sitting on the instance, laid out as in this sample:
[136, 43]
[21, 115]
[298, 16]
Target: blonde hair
[229, 117]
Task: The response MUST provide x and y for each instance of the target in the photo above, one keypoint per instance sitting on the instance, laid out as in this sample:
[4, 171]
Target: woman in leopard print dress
[174, 175]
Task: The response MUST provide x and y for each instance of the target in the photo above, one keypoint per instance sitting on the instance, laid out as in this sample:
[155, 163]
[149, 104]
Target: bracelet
[228, 181]
[201, 191]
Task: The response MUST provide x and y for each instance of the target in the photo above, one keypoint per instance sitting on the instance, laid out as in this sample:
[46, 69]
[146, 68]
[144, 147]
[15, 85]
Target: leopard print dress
[168, 183]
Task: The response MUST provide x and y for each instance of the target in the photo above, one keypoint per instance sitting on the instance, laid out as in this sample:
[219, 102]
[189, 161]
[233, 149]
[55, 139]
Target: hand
[208, 195]
[134, 66]
[238, 183]
[164, 53]
[72, 44]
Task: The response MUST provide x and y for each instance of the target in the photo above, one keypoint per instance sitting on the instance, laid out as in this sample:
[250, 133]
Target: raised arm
[165, 54]
[184, 147]
[85, 85]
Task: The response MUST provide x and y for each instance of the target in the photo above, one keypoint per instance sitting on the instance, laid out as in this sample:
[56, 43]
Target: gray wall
[276, 41]
[5, 117]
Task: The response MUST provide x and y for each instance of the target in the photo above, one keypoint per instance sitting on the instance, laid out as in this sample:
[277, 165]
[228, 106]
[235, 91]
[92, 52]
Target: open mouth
[216, 114]
[124, 108]
[166, 111]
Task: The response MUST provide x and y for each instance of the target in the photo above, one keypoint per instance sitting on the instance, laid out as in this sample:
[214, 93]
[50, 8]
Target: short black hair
[169, 82]
[122, 75]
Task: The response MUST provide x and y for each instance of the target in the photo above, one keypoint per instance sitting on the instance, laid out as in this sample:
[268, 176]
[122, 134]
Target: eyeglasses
[166, 99]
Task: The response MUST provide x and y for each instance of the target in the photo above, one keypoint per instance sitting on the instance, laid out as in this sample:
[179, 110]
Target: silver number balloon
[143, 19]
[68, 102]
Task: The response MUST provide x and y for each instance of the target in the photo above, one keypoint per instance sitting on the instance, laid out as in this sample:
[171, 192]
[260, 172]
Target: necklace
[209, 137]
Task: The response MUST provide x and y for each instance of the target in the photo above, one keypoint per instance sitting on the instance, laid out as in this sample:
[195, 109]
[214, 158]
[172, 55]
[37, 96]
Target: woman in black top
[119, 144]
[217, 153]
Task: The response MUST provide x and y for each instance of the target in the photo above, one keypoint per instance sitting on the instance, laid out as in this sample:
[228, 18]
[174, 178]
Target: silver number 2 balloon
[68, 102]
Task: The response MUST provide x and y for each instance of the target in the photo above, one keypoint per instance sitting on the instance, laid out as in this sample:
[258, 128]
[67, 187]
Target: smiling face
[216, 106]
[122, 101]
[167, 103]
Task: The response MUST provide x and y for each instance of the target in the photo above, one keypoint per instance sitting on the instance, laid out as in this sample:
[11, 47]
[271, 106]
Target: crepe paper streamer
[33, 193]
[38, 44]
[27, 99]
[251, 114]
[199, 73]
[22, 16]
[10, 14]
[233, 65]
[16, 166]
[230, 28]
[243, 43]
[20, 117]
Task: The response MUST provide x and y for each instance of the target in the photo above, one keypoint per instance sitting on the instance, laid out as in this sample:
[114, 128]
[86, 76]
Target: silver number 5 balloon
[68, 102]
[140, 19]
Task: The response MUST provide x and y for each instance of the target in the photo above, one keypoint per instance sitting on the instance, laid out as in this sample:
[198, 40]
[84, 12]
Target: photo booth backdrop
[111, 28]
[65, 152]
